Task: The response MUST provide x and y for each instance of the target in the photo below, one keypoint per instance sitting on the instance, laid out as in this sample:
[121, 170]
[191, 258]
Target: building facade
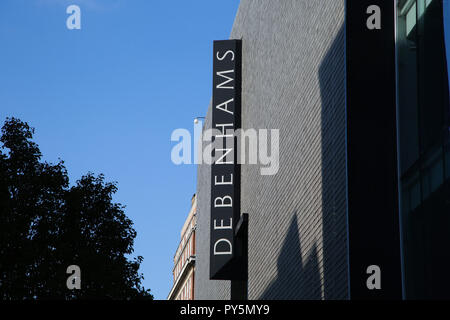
[295, 72]
[184, 259]
[423, 104]
[293, 78]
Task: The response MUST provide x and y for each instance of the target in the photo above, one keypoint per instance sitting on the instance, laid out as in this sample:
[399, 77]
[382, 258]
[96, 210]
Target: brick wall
[293, 79]
[204, 288]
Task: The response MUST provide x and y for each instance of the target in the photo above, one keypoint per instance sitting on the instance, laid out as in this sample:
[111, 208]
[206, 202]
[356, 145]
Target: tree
[47, 225]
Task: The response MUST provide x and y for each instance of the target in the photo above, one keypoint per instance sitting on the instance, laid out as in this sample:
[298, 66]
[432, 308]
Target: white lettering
[229, 251]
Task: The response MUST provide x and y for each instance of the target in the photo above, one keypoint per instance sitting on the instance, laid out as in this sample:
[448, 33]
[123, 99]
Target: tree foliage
[47, 225]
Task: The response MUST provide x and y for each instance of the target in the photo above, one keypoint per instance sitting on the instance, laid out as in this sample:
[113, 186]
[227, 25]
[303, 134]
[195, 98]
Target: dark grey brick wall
[293, 80]
[205, 289]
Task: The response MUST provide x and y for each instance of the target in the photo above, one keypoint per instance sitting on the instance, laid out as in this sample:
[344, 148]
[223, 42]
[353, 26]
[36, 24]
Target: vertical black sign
[225, 177]
[373, 210]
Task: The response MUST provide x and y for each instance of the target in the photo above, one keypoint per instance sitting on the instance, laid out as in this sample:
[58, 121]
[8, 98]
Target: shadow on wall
[302, 280]
[292, 273]
[334, 176]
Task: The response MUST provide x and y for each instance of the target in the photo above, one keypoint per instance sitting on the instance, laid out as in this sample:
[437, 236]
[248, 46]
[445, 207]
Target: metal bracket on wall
[242, 225]
[239, 288]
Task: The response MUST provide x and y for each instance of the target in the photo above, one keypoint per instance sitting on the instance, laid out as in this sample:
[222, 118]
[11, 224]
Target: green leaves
[45, 226]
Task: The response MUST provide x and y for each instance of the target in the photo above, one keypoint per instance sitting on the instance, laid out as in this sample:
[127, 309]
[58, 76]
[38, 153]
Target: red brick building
[184, 259]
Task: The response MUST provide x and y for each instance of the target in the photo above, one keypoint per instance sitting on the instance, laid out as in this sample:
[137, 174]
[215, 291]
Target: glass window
[411, 20]
[432, 173]
[423, 126]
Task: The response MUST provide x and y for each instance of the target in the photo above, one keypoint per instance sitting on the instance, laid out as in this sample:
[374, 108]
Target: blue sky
[106, 99]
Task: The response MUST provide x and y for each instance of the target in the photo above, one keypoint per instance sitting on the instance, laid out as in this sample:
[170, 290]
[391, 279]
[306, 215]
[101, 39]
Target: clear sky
[106, 99]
